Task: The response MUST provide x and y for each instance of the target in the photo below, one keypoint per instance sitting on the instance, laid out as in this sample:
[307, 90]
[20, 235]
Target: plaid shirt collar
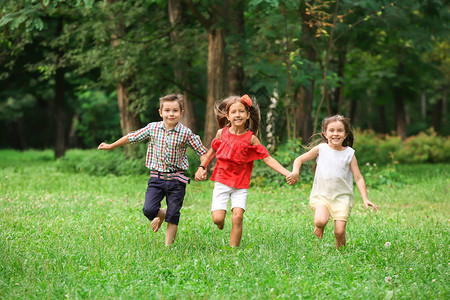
[177, 128]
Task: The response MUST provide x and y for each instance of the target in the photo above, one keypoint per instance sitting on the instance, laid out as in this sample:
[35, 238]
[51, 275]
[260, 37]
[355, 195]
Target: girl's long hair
[221, 109]
[320, 137]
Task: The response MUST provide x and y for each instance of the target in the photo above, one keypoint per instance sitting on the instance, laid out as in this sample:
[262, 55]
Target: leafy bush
[385, 149]
[425, 147]
[100, 163]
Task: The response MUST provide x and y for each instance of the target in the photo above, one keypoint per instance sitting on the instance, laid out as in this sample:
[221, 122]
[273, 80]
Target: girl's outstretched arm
[361, 184]
[120, 142]
[270, 161]
[311, 154]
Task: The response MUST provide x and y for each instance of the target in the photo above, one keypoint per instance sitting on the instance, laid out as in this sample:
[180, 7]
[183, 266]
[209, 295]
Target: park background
[75, 73]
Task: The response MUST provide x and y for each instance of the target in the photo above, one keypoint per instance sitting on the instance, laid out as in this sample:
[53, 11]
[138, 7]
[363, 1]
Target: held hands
[292, 178]
[200, 174]
[368, 203]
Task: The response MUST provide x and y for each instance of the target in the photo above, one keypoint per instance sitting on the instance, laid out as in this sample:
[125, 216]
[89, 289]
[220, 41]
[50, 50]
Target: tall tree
[176, 10]
[213, 24]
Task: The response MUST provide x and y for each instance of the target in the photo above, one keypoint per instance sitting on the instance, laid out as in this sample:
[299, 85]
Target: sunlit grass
[65, 235]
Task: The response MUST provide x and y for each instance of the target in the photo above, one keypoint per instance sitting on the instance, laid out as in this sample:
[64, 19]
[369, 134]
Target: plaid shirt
[167, 148]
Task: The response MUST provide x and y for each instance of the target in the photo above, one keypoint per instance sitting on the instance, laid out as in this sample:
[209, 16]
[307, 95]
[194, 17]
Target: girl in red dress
[236, 147]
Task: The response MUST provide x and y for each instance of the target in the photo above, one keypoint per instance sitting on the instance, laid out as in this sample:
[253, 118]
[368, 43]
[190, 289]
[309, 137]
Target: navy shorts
[157, 189]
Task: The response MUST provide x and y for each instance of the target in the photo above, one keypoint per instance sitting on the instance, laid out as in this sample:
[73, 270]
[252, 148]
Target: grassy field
[65, 235]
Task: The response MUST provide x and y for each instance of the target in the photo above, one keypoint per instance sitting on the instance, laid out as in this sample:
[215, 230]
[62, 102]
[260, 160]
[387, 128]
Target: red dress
[235, 156]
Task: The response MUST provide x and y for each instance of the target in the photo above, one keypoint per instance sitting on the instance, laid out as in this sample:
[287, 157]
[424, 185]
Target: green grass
[65, 235]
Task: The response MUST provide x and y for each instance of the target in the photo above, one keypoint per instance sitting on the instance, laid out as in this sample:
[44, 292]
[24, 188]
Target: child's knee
[320, 222]
[218, 220]
[150, 213]
[339, 233]
[237, 219]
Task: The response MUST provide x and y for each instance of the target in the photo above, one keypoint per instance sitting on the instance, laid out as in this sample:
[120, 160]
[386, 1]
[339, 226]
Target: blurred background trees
[74, 73]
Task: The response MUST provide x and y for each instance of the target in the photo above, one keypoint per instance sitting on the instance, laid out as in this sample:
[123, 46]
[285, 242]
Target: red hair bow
[247, 100]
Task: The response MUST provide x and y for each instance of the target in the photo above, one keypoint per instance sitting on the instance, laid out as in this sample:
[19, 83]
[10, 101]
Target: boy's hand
[104, 146]
[292, 178]
[368, 203]
[200, 174]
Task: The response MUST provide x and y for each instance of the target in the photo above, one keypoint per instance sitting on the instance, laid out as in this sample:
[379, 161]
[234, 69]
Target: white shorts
[222, 193]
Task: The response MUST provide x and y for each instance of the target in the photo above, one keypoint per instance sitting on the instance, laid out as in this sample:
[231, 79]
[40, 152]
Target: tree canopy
[74, 73]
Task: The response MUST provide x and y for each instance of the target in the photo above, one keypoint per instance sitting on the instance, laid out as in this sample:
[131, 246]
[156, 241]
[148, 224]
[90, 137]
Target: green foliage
[425, 147]
[385, 149]
[101, 163]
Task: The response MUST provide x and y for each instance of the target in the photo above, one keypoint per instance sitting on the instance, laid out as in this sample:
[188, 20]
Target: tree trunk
[60, 117]
[382, 118]
[437, 115]
[216, 55]
[305, 98]
[21, 130]
[400, 113]
[339, 91]
[60, 141]
[235, 49]
[129, 121]
[175, 10]
[216, 60]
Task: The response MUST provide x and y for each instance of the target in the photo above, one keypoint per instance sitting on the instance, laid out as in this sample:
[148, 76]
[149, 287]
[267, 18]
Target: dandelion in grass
[387, 245]
[388, 279]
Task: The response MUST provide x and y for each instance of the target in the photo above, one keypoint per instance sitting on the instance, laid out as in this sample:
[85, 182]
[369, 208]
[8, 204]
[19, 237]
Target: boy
[167, 161]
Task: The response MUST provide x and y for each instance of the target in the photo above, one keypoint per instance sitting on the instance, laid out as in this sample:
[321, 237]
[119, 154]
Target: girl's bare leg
[339, 233]
[157, 221]
[171, 233]
[237, 221]
[321, 217]
[218, 217]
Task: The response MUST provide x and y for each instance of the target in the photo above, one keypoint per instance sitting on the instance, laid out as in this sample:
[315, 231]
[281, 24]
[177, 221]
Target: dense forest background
[74, 73]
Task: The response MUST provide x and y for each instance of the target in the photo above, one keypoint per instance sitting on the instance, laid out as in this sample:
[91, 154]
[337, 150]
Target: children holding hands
[236, 147]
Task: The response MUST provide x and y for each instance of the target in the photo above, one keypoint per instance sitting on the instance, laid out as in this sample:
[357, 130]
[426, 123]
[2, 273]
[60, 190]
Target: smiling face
[335, 134]
[171, 113]
[238, 114]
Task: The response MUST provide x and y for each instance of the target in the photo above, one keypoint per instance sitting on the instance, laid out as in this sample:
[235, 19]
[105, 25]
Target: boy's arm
[361, 184]
[205, 159]
[120, 142]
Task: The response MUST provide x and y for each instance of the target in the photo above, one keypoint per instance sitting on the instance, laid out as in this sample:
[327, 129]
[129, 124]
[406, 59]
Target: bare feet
[157, 221]
[318, 232]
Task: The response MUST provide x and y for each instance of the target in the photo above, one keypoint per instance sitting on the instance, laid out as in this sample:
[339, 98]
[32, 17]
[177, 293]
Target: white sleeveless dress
[333, 182]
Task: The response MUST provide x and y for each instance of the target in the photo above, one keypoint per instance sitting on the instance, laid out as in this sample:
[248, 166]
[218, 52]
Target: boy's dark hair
[221, 109]
[172, 97]
[347, 126]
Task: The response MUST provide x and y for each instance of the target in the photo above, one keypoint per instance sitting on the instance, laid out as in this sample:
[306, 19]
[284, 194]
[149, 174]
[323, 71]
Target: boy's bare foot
[318, 232]
[157, 221]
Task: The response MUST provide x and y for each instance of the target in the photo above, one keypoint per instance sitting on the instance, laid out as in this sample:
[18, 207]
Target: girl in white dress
[332, 191]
